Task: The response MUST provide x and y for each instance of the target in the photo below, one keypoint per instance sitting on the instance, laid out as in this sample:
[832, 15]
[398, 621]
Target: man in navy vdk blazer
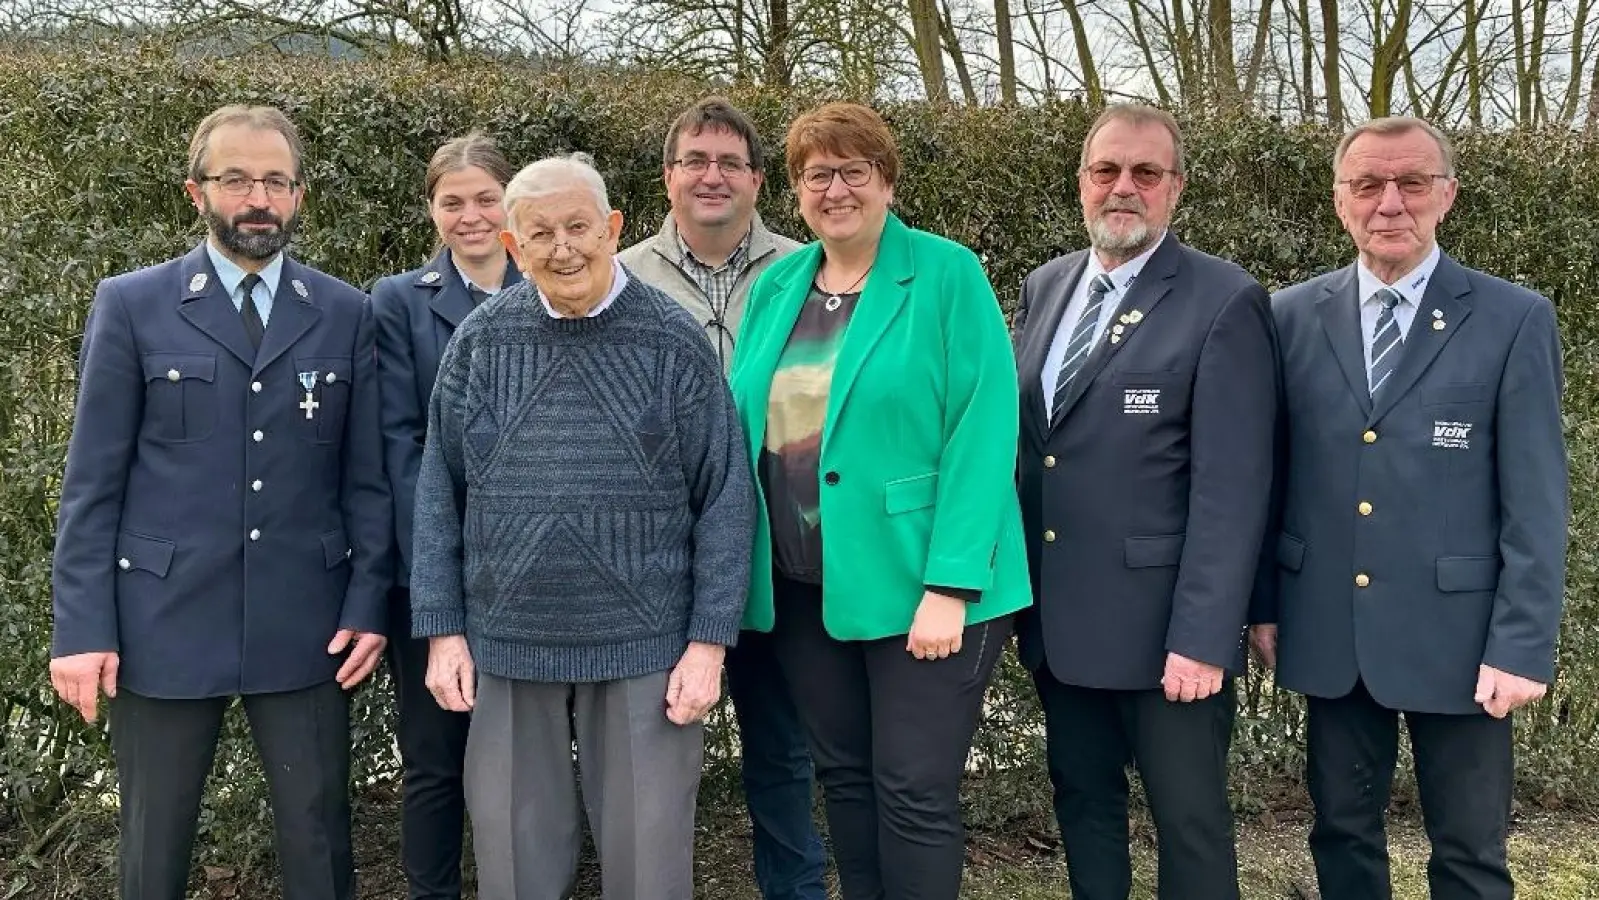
[1420, 559]
[1148, 402]
[224, 522]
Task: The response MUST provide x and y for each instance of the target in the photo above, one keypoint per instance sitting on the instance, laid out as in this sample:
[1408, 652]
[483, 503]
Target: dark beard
[253, 245]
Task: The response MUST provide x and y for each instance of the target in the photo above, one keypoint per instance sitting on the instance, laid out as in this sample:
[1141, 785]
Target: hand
[79, 678]
[451, 678]
[1187, 680]
[937, 629]
[1263, 640]
[363, 657]
[695, 683]
[1502, 693]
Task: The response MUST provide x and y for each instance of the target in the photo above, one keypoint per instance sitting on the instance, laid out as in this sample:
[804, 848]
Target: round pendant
[834, 301]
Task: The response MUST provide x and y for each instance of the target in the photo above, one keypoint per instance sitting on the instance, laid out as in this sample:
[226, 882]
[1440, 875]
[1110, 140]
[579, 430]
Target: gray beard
[256, 246]
[1126, 245]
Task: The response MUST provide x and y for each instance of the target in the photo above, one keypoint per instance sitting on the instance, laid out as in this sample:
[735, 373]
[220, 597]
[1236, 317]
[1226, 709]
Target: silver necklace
[834, 301]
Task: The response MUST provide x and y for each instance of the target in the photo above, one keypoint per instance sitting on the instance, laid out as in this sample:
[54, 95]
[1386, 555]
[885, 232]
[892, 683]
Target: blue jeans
[789, 857]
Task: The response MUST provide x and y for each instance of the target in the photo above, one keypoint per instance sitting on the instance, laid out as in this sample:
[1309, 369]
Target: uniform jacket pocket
[1155, 550]
[1468, 573]
[136, 552]
[335, 547]
[1290, 552]
[180, 395]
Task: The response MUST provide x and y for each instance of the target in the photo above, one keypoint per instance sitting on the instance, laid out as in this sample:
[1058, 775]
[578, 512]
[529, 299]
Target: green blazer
[919, 443]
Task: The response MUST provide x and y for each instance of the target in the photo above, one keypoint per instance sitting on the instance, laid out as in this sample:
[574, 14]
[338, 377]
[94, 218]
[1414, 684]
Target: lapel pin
[299, 288]
[430, 277]
[1437, 314]
[1117, 328]
[1135, 317]
[1115, 339]
[1437, 324]
[197, 283]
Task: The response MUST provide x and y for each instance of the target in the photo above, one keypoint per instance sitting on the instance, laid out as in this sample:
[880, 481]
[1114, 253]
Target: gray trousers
[640, 779]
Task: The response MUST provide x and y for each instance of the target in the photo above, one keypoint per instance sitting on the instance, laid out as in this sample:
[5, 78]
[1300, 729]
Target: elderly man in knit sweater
[584, 514]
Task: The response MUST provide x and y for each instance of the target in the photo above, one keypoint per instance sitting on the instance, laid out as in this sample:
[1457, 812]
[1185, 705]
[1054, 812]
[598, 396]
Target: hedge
[92, 144]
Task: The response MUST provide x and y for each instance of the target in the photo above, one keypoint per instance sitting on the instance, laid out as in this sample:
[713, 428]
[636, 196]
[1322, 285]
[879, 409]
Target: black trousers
[1464, 772]
[1180, 750]
[432, 752]
[889, 736]
[164, 750]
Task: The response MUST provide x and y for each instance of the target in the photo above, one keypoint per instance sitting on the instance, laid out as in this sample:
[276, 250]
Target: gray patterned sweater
[584, 507]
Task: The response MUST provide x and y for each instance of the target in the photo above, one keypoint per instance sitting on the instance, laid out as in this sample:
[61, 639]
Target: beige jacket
[658, 261]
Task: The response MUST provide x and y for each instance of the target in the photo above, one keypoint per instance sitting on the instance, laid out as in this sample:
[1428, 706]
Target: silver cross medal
[309, 404]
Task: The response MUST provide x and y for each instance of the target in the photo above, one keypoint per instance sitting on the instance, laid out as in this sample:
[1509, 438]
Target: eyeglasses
[699, 165]
[855, 174]
[1145, 176]
[236, 185]
[1413, 184]
[581, 238]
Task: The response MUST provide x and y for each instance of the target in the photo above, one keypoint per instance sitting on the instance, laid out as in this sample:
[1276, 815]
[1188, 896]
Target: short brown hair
[842, 129]
[714, 112]
[265, 118]
[1137, 115]
[475, 149]
[1398, 125]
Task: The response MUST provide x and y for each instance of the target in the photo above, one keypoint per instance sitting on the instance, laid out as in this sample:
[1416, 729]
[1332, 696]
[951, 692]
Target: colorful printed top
[791, 456]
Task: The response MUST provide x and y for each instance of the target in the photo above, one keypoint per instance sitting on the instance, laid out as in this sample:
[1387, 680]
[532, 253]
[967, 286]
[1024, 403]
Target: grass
[1554, 856]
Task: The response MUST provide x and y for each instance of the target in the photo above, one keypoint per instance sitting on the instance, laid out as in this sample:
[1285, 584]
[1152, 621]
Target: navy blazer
[211, 531]
[417, 312]
[1145, 502]
[1424, 534]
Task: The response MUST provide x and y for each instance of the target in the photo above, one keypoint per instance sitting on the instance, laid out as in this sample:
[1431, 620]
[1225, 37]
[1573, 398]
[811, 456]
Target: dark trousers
[889, 735]
[778, 786]
[432, 752]
[1463, 772]
[1180, 750]
[164, 750]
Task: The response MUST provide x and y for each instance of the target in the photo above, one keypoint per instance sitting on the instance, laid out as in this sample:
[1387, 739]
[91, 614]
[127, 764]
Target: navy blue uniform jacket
[1424, 534]
[1146, 501]
[210, 532]
[416, 314]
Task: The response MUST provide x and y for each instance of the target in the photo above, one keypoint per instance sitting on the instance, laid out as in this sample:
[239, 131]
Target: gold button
[1369, 437]
[1049, 536]
[1365, 508]
[1049, 462]
[1362, 580]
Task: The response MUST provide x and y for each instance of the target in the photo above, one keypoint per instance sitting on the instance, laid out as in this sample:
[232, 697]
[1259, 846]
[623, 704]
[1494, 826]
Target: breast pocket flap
[906, 494]
[1468, 573]
[168, 366]
[1446, 394]
[1155, 550]
[145, 554]
[1290, 552]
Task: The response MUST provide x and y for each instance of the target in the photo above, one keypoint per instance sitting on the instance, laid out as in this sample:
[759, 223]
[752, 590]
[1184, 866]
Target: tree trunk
[1329, 63]
[1474, 73]
[952, 43]
[1141, 38]
[1257, 55]
[1223, 67]
[1085, 56]
[1387, 56]
[929, 53]
[1007, 51]
[1307, 61]
[1568, 109]
[777, 72]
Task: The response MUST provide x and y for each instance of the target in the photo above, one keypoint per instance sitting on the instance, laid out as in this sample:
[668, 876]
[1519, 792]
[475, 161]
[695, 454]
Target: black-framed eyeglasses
[1410, 184]
[1145, 175]
[855, 173]
[699, 165]
[235, 184]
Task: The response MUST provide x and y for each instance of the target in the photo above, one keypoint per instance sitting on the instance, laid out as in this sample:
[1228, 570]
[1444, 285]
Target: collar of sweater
[631, 295]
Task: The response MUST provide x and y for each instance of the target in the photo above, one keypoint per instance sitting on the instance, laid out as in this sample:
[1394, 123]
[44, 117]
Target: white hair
[552, 175]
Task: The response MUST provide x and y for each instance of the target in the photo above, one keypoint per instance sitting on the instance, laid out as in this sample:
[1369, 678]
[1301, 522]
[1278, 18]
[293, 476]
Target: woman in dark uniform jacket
[416, 313]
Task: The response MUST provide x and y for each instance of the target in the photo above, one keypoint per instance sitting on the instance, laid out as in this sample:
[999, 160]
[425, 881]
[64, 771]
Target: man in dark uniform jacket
[1420, 558]
[1148, 401]
[224, 525]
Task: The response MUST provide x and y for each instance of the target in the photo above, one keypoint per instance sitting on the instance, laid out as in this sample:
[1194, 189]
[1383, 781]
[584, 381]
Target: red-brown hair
[841, 129]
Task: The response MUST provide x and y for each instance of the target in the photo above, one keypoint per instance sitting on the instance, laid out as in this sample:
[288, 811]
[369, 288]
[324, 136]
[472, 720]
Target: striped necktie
[1386, 341]
[1082, 340]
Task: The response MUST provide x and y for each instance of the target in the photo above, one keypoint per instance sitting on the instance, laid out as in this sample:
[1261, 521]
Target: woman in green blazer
[876, 385]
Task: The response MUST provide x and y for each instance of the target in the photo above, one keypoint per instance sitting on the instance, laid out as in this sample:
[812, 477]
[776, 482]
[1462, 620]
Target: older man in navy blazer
[1148, 401]
[224, 524]
[1421, 554]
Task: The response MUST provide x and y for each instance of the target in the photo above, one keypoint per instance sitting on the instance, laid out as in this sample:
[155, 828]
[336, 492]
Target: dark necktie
[253, 326]
[1386, 342]
[1082, 340]
[478, 295]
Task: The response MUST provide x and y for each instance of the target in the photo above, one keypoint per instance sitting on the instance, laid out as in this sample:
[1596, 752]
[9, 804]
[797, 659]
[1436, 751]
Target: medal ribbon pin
[309, 404]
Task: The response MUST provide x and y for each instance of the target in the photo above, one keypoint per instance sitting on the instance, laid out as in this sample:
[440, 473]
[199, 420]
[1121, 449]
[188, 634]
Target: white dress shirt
[1122, 279]
[1410, 288]
[232, 277]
